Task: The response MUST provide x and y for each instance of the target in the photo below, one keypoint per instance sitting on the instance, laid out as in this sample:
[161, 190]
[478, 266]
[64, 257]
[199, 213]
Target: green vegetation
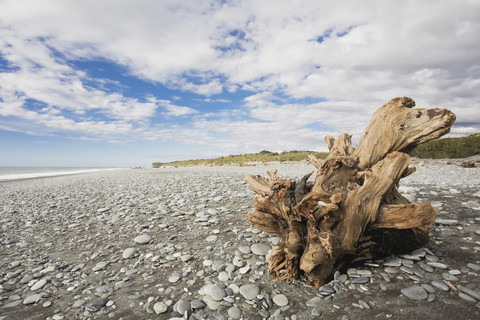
[449, 148]
[244, 159]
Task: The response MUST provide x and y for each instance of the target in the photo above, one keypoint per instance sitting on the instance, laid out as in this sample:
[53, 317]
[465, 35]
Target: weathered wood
[353, 210]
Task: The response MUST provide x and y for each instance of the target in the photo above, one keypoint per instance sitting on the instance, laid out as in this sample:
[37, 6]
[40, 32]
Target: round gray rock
[280, 300]
[249, 291]
[96, 305]
[235, 313]
[260, 249]
[142, 239]
[217, 293]
[415, 293]
[128, 253]
[183, 306]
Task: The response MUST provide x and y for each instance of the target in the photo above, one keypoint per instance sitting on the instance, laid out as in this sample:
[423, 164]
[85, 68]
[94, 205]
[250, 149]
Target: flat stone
[426, 267]
[473, 266]
[100, 265]
[217, 293]
[249, 291]
[174, 278]
[128, 253]
[449, 277]
[197, 304]
[437, 265]
[446, 221]
[186, 257]
[235, 313]
[280, 300]
[314, 302]
[183, 306]
[393, 262]
[211, 238]
[160, 307]
[428, 288]
[360, 280]
[470, 292]
[260, 249]
[245, 249]
[466, 297]
[142, 239]
[39, 284]
[415, 293]
[96, 305]
[34, 298]
[440, 285]
[79, 303]
[212, 304]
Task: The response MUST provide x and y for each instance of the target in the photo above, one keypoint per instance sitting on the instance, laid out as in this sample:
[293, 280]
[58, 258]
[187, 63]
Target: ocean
[19, 173]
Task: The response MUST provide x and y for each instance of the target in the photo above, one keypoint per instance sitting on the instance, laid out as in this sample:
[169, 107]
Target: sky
[119, 83]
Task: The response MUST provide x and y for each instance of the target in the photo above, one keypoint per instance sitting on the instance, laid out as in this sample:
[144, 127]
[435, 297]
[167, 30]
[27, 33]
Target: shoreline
[42, 175]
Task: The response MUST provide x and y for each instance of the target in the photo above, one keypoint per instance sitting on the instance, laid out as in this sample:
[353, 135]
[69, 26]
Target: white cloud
[371, 51]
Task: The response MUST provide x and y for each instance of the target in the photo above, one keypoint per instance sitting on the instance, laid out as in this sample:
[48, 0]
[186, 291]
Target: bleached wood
[353, 210]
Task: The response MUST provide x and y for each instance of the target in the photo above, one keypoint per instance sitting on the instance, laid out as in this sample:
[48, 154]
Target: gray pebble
[360, 280]
[449, 277]
[466, 297]
[470, 292]
[142, 239]
[183, 306]
[260, 249]
[34, 298]
[217, 293]
[316, 312]
[249, 291]
[128, 253]
[39, 284]
[280, 300]
[235, 312]
[415, 292]
[437, 265]
[440, 285]
[96, 305]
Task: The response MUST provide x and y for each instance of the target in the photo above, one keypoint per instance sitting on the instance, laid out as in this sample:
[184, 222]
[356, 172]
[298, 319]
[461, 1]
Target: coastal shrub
[449, 148]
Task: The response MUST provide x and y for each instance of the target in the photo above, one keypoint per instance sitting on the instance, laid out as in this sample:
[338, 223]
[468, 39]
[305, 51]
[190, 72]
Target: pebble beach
[174, 243]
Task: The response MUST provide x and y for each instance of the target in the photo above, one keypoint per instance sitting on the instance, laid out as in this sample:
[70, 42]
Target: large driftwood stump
[352, 211]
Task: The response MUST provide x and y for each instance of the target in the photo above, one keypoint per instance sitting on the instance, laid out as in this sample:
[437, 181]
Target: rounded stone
[128, 253]
[280, 300]
[100, 265]
[211, 238]
[39, 284]
[249, 291]
[160, 307]
[183, 306]
[260, 249]
[142, 239]
[235, 312]
[212, 304]
[440, 285]
[34, 298]
[245, 249]
[96, 305]
[217, 293]
[415, 292]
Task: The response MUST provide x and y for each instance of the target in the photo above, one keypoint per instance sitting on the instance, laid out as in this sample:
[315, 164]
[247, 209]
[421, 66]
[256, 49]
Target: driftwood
[353, 210]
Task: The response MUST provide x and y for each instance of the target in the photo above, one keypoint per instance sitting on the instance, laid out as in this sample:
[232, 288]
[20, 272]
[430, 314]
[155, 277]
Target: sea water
[19, 173]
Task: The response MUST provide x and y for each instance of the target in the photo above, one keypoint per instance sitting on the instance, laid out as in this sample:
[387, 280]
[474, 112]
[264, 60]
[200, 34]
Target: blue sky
[115, 83]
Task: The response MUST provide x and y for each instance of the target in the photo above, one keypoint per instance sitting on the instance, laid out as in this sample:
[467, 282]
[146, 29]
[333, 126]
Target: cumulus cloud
[310, 67]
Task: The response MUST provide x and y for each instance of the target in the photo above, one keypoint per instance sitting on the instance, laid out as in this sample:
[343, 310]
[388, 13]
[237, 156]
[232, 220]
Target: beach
[162, 243]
